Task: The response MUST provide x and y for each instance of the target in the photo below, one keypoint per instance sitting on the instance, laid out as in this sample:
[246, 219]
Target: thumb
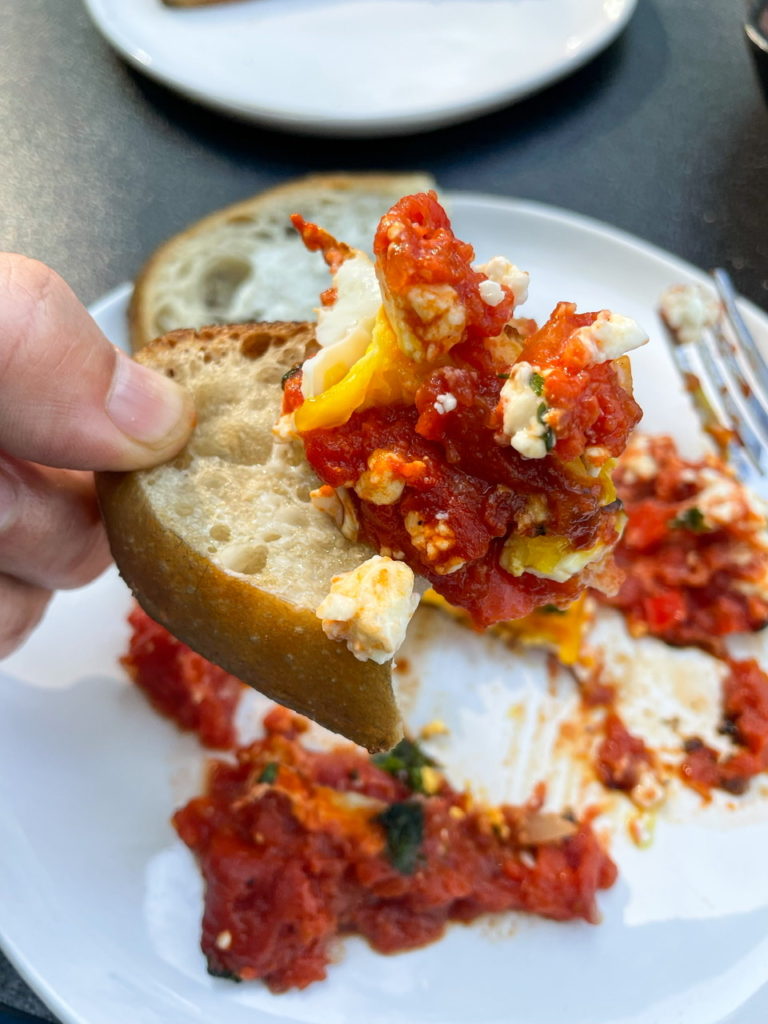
[68, 397]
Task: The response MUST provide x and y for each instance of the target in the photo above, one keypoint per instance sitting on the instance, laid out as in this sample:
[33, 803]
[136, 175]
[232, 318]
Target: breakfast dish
[234, 57]
[696, 901]
[454, 443]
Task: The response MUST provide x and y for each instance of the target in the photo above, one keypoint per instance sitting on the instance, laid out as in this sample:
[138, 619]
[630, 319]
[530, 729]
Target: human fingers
[68, 397]
[21, 608]
[51, 534]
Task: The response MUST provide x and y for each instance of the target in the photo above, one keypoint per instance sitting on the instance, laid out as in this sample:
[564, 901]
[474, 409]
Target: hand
[69, 402]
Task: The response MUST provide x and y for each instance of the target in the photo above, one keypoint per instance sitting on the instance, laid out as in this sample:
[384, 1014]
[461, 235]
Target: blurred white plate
[100, 904]
[360, 67]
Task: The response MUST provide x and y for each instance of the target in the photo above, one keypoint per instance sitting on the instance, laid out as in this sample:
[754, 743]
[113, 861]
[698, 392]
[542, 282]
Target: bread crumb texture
[236, 494]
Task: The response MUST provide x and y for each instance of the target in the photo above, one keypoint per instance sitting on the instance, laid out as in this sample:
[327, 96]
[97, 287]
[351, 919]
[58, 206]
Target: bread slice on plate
[247, 263]
[223, 547]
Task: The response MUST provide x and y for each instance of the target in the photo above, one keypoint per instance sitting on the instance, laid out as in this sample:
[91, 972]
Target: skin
[70, 403]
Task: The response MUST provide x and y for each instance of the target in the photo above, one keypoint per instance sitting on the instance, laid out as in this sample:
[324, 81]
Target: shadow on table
[614, 83]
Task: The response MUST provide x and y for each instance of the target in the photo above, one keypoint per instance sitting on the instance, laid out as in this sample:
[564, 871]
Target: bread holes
[165, 318]
[221, 532]
[246, 559]
[220, 282]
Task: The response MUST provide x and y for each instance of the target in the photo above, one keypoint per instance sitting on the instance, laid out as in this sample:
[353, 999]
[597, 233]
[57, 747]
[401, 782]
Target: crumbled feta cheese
[610, 336]
[500, 271]
[722, 499]
[491, 292]
[637, 463]
[336, 503]
[523, 424]
[344, 328]
[369, 608]
[688, 309]
[433, 539]
[380, 483]
[445, 403]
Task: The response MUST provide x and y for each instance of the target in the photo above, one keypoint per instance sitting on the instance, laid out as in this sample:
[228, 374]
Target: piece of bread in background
[247, 262]
[193, 3]
[223, 547]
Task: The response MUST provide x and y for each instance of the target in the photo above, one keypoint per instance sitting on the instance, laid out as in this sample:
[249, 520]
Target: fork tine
[744, 340]
[723, 397]
[720, 375]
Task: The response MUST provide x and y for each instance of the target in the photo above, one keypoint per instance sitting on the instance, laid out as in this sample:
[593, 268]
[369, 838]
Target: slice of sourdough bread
[223, 547]
[247, 262]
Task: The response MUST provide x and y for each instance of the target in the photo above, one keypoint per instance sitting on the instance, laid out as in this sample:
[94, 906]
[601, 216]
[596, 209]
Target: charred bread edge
[269, 643]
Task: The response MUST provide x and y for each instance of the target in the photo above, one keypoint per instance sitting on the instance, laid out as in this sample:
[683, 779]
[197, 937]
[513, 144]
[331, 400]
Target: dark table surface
[664, 135]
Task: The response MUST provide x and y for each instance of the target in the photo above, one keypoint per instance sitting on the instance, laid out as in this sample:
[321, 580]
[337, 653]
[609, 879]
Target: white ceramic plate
[100, 904]
[360, 67]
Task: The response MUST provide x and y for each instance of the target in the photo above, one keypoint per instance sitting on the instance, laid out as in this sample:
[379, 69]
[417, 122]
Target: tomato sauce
[181, 685]
[298, 847]
[621, 758]
[464, 489]
[688, 580]
[745, 720]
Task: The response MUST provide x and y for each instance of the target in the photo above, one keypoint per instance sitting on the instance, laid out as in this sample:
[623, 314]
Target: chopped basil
[690, 519]
[537, 383]
[269, 772]
[289, 373]
[549, 435]
[405, 762]
[503, 376]
[552, 609]
[403, 824]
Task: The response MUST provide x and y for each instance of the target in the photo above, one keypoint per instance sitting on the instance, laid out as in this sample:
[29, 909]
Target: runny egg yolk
[383, 375]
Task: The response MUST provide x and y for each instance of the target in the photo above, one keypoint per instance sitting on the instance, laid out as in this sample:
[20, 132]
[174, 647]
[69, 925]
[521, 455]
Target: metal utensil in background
[756, 30]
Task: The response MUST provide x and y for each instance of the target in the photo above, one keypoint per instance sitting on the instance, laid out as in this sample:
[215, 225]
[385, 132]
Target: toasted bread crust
[273, 644]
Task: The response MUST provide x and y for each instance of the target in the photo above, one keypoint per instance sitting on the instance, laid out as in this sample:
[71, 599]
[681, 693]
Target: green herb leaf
[552, 609]
[405, 762]
[288, 374]
[549, 437]
[690, 519]
[503, 376]
[537, 383]
[269, 772]
[403, 824]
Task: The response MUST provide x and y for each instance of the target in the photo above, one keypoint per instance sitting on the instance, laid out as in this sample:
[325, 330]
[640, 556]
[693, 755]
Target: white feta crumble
[500, 271]
[523, 422]
[688, 309]
[637, 463]
[369, 608]
[491, 292]
[722, 500]
[380, 483]
[445, 403]
[610, 336]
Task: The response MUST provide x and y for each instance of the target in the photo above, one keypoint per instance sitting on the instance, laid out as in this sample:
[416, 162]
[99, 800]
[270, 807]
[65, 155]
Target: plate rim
[290, 119]
[22, 963]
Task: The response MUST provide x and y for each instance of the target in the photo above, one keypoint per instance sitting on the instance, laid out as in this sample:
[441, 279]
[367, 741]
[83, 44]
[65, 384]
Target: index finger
[68, 397]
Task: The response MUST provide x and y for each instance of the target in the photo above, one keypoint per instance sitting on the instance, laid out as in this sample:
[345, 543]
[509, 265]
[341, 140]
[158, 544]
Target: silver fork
[726, 376]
